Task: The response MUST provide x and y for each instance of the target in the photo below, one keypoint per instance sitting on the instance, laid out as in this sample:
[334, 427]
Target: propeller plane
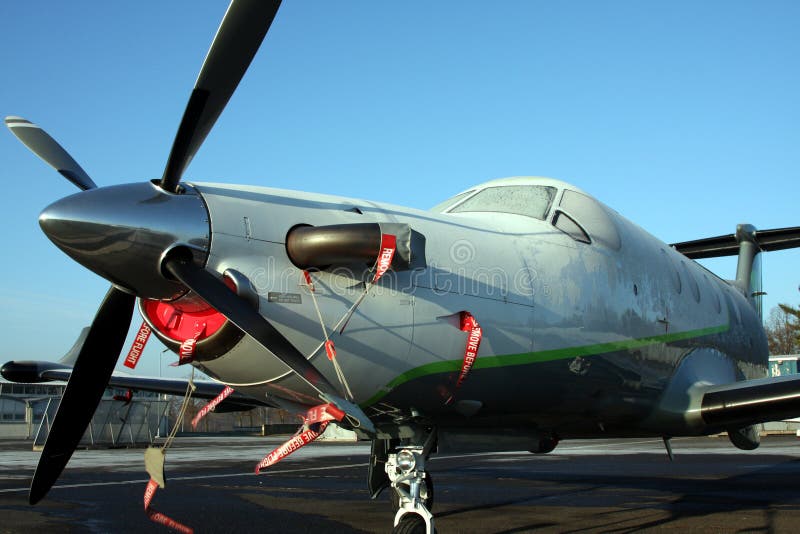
[520, 312]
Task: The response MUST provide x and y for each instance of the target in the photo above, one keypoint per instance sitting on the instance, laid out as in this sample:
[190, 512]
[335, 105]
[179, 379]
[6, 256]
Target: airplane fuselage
[579, 339]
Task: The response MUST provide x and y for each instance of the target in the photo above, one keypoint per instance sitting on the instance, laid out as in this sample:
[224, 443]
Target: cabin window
[692, 282]
[591, 215]
[529, 200]
[714, 293]
[676, 276]
[733, 309]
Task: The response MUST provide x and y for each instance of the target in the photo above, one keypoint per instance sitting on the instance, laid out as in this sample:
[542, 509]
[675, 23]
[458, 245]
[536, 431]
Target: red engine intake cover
[179, 322]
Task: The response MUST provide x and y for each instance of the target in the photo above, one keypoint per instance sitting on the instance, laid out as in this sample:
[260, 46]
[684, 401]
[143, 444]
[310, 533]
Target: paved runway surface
[598, 486]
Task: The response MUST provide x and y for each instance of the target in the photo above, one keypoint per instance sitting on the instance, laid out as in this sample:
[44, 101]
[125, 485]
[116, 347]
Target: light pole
[163, 408]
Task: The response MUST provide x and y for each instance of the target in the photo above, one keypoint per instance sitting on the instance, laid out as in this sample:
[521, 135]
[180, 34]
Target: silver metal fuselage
[579, 339]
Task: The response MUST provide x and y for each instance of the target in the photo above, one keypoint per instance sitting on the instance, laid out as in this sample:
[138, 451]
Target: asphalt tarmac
[583, 486]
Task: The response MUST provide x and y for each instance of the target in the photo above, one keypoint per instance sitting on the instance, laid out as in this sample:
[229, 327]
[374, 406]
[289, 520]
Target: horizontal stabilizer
[752, 401]
[727, 245]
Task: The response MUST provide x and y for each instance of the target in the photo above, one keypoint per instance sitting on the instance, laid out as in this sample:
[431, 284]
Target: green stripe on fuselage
[507, 360]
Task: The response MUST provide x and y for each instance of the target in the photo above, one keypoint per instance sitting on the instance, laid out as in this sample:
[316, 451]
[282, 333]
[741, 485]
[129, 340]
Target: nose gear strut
[413, 487]
[406, 470]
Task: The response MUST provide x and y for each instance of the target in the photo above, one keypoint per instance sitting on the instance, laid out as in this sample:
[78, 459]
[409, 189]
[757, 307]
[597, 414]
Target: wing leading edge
[728, 245]
[751, 401]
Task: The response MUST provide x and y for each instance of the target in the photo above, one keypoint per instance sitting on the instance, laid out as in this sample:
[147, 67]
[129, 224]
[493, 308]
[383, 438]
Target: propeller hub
[123, 232]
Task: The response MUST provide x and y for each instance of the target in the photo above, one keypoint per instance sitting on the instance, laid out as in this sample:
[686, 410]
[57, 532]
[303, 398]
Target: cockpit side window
[529, 200]
[589, 215]
[564, 222]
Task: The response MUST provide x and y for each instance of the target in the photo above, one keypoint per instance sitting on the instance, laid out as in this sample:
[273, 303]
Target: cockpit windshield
[441, 207]
[529, 200]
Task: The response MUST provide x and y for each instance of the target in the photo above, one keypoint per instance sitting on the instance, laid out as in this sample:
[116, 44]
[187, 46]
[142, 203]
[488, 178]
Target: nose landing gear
[412, 488]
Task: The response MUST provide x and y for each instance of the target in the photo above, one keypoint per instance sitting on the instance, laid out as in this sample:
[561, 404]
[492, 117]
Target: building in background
[22, 407]
[122, 418]
[783, 365]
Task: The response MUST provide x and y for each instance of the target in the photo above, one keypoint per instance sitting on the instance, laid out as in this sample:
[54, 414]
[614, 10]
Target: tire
[425, 492]
[411, 524]
[545, 445]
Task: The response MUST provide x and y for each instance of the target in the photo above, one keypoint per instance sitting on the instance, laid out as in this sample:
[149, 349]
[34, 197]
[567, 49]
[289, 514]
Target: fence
[114, 424]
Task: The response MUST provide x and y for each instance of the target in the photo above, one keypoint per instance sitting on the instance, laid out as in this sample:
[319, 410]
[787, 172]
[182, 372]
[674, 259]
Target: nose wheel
[411, 524]
[412, 491]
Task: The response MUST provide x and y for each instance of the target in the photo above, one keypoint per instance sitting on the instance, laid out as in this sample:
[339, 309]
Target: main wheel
[425, 494]
[411, 524]
[545, 445]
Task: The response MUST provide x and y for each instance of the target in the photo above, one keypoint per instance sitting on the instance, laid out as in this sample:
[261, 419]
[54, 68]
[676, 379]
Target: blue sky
[681, 115]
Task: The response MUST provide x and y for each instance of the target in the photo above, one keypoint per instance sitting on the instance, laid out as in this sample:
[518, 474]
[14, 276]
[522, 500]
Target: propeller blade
[40, 143]
[240, 313]
[90, 375]
[238, 38]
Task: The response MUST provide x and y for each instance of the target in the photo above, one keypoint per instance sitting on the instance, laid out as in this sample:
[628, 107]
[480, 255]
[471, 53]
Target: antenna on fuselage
[668, 446]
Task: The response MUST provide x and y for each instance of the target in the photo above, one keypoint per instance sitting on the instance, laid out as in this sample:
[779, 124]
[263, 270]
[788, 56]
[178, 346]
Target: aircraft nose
[7, 371]
[25, 372]
[122, 233]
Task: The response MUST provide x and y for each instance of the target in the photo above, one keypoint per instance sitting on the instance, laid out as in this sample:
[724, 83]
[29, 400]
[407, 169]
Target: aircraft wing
[751, 401]
[726, 245]
[39, 371]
